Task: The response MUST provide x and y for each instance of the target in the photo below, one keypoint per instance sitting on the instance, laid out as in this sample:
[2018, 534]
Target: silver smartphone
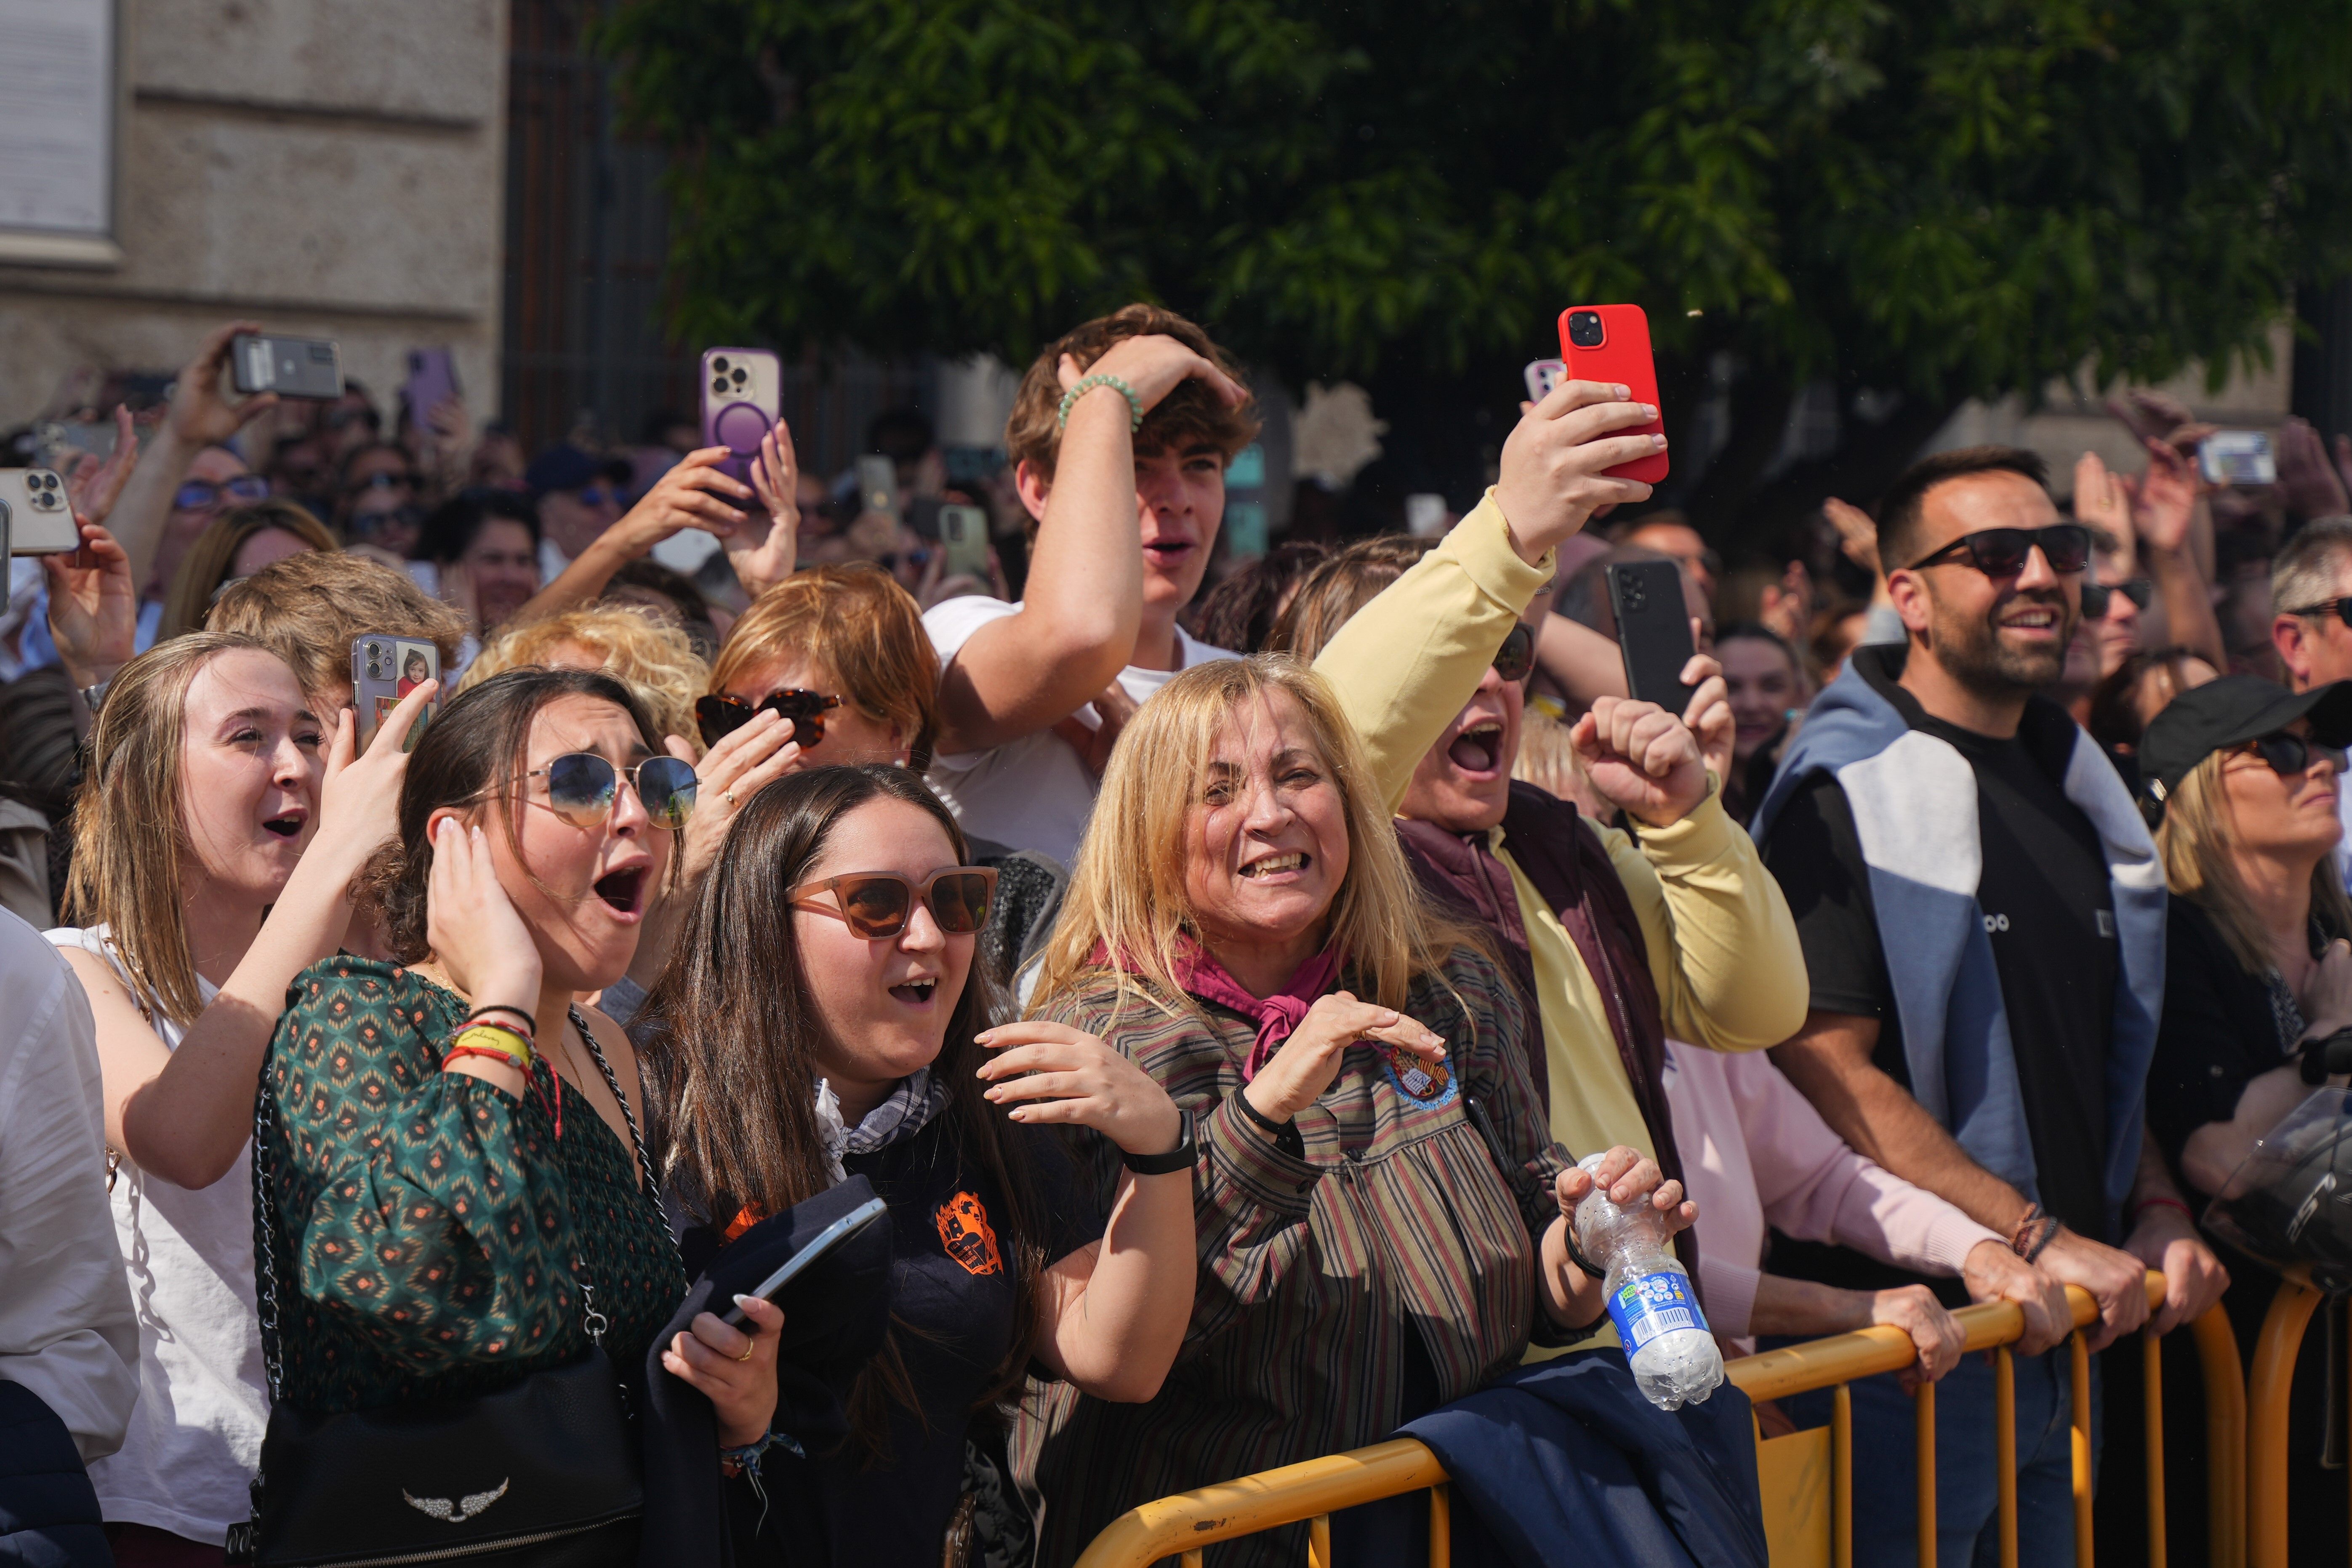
[963, 534]
[291, 367]
[385, 669]
[2237, 457]
[35, 514]
[831, 1236]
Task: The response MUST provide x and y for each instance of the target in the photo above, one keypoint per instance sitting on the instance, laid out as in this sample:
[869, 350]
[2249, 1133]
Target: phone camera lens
[1584, 328]
[719, 364]
[719, 384]
[739, 378]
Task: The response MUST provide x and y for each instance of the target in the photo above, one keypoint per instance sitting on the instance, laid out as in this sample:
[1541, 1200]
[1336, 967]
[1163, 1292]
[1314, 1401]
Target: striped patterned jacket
[1397, 1220]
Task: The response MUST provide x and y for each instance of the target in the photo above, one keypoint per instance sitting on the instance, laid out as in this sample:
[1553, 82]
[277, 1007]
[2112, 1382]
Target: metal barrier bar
[2267, 1382]
[1313, 1489]
[1923, 1411]
[1441, 1527]
[2152, 1418]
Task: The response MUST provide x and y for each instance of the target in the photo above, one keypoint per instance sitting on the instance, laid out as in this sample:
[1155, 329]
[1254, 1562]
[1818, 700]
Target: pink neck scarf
[1276, 1015]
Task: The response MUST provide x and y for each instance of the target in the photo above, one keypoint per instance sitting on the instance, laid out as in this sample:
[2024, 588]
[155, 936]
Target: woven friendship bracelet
[1070, 399]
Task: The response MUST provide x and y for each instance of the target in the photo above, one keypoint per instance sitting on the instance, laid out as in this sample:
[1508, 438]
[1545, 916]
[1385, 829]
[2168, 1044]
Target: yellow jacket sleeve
[1405, 664]
[1723, 947]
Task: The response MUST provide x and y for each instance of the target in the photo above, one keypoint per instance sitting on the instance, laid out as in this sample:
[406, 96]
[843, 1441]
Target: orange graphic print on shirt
[965, 1232]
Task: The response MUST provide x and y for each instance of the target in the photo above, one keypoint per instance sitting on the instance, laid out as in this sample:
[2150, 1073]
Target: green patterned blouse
[431, 1229]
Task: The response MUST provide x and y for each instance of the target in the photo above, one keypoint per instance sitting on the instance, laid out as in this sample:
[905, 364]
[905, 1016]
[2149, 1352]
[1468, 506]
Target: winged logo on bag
[464, 1508]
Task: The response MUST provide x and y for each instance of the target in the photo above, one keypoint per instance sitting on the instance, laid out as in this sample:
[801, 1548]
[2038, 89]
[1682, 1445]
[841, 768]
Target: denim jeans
[1967, 1527]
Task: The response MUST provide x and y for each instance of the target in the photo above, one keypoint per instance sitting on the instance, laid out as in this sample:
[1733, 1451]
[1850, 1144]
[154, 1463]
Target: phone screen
[385, 669]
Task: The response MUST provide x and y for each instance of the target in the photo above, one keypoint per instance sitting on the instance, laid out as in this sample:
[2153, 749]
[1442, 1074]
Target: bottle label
[1649, 1305]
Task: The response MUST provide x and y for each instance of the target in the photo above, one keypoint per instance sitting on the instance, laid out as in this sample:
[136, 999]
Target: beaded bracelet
[530, 1024]
[735, 1461]
[1070, 399]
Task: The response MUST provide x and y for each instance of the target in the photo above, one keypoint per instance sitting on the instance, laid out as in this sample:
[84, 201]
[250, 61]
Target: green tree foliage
[1920, 203]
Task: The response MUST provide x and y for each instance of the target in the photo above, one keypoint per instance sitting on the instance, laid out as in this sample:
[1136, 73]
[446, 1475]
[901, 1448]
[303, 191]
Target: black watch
[1180, 1158]
[2326, 1056]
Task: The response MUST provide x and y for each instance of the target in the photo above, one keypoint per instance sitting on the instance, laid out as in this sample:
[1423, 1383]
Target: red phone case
[1624, 357]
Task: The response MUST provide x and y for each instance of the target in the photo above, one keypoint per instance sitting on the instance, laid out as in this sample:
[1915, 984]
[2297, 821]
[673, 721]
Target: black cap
[567, 468]
[2234, 709]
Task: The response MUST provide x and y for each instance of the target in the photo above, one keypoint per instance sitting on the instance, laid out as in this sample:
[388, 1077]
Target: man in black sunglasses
[1982, 915]
[2311, 586]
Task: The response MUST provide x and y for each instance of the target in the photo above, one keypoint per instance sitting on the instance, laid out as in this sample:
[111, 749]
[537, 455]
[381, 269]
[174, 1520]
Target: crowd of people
[1230, 997]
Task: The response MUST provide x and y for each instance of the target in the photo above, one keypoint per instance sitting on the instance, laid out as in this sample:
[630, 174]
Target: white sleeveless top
[195, 1435]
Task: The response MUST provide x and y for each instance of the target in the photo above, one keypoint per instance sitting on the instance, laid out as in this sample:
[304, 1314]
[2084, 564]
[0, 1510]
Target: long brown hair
[735, 1060]
[474, 747]
[1127, 891]
[131, 838]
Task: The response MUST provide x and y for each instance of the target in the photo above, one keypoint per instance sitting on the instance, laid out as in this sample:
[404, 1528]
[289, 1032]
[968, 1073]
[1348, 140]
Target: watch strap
[1180, 1158]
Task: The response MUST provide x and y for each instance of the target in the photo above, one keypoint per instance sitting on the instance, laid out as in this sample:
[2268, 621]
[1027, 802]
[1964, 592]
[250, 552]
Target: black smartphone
[1653, 631]
[870, 1212]
[291, 367]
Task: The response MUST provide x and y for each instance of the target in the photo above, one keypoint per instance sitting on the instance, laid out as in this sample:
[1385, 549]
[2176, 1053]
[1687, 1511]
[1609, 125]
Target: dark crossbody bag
[546, 1473]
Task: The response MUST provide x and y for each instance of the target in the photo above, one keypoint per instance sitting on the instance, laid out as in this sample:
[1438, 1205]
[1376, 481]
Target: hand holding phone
[35, 513]
[385, 669]
[742, 397]
[1612, 343]
[839, 1233]
[291, 367]
[1653, 630]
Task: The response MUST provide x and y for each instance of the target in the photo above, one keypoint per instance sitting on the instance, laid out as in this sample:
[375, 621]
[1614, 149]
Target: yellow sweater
[1723, 948]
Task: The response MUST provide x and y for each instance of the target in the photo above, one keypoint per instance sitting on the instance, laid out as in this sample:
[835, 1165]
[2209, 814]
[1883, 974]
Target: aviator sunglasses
[877, 905]
[2288, 754]
[719, 716]
[582, 788]
[2003, 552]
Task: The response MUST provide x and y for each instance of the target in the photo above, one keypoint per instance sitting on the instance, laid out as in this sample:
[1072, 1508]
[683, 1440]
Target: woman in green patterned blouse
[440, 1217]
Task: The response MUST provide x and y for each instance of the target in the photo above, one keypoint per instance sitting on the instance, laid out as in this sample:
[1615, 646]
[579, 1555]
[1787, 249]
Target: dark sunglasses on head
[877, 905]
[2288, 754]
[719, 716]
[1517, 656]
[2096, 595]
[195, 495]
[2003, 552]
[582, 788]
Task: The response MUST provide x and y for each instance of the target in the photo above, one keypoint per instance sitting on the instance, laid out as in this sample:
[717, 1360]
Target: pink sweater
[1756, 1152]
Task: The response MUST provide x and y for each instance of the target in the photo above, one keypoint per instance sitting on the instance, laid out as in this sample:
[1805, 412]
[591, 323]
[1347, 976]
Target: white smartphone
[35, 513]
[2237, 457]
[1541, 376]
[830, 1237]
[963, 534]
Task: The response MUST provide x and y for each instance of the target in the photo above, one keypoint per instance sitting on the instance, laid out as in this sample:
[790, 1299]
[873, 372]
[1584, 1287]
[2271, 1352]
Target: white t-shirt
[195, 1435]
[1032, 793]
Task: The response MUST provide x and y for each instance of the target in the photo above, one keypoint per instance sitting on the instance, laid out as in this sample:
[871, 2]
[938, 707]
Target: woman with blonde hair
[1241, 923]
[218, 830]
[651, 657]
[236, 545]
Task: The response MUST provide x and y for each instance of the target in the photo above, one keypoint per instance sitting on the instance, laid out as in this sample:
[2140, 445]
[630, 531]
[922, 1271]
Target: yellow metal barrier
[2267, 1384]
[1796, 1470]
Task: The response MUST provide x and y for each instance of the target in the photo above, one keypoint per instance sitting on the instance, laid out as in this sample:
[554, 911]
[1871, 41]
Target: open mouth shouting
[289, 825]
[1478, 749]
[918, 992]
[624, 891]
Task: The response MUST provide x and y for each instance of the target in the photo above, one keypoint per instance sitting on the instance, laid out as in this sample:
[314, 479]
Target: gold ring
[749, 1350]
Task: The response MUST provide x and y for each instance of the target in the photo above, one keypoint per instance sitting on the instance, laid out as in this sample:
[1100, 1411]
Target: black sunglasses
[719, 716]
[582, 788]
[2340, 608]
[2096, 596]
[2003, 552]
[1517, 656]
[195, 495]
[2288, 754]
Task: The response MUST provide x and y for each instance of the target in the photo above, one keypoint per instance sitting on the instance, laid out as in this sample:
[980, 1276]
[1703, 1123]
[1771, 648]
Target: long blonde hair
[130, 841]
[1127, 891]
[2195, 838]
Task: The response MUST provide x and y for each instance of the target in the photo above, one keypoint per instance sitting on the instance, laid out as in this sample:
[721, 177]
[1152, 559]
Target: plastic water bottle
[1675, 1359]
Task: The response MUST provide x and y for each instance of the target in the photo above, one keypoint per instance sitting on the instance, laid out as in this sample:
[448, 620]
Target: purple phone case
[730, 418]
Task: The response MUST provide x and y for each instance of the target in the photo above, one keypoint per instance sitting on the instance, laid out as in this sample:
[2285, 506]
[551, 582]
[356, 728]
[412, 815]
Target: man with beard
[1982, 915]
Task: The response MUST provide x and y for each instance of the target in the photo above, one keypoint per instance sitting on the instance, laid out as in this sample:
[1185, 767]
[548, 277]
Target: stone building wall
[331, 168]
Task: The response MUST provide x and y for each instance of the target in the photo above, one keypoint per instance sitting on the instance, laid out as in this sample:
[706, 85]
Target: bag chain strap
[265, 1208]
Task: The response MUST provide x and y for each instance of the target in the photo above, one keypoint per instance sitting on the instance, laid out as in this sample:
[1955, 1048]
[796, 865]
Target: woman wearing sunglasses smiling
[456, 1113]
[864, 1048]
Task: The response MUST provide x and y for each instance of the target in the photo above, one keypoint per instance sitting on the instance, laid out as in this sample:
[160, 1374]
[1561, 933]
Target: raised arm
[694, 494]
[1407, 662]
[1083, 603]
[201, 415]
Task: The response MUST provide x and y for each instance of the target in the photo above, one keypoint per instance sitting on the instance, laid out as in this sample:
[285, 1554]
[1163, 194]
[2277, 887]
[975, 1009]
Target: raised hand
[2307, 482]
[1310, 1059]
[1049, 1072]
[694, 494]
[93, 606]
[95, 486]
[1641, 759]
[728, 775]
[1857, 535]
[479, 939]
[359, 793]
[1708, 714]
[1551, 481]
[1154, 365]
[2165, 499]
[201, 414]
[762, 562]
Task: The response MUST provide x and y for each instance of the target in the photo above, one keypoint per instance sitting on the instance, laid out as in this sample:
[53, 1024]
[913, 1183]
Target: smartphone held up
[35, 517]
[291, 367]
[385, 669]
[1612, 343]
[742, 398]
